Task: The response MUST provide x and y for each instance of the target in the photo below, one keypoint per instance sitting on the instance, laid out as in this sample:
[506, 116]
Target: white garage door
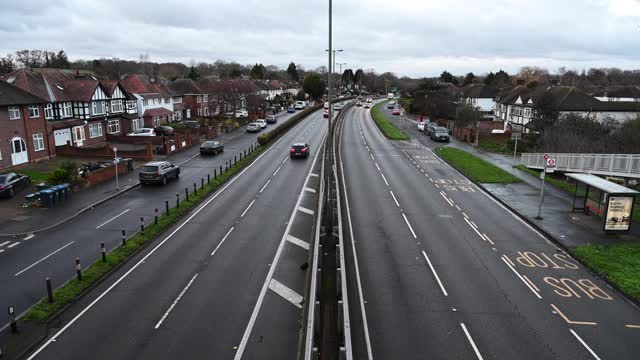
[62, 136]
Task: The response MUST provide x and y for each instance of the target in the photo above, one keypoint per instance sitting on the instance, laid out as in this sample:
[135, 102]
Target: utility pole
[340, 76]
[330, 84]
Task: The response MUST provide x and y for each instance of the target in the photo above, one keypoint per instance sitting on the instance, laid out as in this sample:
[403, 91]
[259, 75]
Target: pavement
[438, 266]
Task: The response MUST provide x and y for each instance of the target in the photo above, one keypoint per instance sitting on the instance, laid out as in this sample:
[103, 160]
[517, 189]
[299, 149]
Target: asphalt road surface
[445, 272]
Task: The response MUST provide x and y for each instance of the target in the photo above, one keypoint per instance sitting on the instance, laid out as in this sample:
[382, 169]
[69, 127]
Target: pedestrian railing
[623, 165]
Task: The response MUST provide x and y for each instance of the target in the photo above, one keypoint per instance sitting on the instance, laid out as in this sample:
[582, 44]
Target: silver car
[253, 127]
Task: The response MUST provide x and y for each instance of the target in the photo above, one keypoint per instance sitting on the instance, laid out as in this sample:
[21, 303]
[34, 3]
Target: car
[191, 124]
[367, 105]
[299, 150]
[163, 130]
[325, 113]
[143, 132]
[396, 112]
[359, 104]
[158, 172]
[391, 105]
[440, 134]
[337, 107]
[421, 125]
[242, 113]
[11, 183]
[253, 127]
[271, 119]
[291, 109]
[326, 105]
[262, 123]
[369, 100]
[211, 147]
[299, 105]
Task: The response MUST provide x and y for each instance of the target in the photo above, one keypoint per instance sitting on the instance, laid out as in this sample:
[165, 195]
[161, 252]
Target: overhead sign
[619, 210]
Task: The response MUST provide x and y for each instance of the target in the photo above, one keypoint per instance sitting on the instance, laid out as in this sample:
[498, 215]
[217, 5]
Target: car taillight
[1, 188]
[304, 150]
[293, 150]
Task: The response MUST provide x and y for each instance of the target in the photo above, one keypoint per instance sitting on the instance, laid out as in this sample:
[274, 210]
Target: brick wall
[105, 174]
[106, 152]
[25, 128]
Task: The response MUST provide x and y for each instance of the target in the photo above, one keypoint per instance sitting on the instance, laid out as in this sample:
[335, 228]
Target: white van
[299, 105]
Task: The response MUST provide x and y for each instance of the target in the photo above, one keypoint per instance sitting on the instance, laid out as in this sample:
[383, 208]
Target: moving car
[299, 150]
[421, 126]
[211, 147]
[367, 105]
[262, 123]
[143, 132]
[253, 127]
[271, 119]
[359, 104]
[163, 130]
[325, 113]
[10, 183]
[396, 112]
[291, 109]
[299, 105]
[440, 134]
[391, 105]
[158, 172]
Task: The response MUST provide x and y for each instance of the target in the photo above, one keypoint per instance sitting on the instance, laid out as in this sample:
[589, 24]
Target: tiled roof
[512, 96]
[479, 91]
[619, 91]
[142, 84]
[185, 86]
[28, 81]
[13, 95]
[157, 112]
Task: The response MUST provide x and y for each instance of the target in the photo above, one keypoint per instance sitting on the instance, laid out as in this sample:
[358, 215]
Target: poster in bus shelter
[618, 216]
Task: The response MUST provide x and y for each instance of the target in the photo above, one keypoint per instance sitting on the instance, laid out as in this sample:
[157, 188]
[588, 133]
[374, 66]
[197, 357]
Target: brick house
[195, 102]
[24, 133]
[153, 97]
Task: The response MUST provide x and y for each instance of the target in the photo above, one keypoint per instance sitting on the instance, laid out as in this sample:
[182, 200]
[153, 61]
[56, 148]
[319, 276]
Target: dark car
[299, 150]
[271, 119]
[440, 134]
[291, 109]
[11, 183]
[211, 147]
[158, 172]
[191, 124]
[163, 130]
[429, 128]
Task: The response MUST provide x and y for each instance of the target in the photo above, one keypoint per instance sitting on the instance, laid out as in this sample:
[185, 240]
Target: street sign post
[115, 162]
[516, 134]
[549, 162]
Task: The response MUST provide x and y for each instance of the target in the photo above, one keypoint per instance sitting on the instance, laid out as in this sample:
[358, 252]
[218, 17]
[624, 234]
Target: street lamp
[340, 75]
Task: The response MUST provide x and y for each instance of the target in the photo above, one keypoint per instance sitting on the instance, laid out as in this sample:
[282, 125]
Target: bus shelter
[611, 201]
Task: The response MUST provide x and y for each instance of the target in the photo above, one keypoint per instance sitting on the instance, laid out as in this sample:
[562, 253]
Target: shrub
[66, 173]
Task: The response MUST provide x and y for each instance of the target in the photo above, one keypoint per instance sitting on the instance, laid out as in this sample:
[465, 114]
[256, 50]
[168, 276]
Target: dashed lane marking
[384, 178]
[294, 240]
[282, 290]
[265, 186]
[222, 241]
[13, 245]
[175, 302]
[473, 344]
[4, 243]
[314, 175]
[435, 274]
[247, 209]
[394, 198]
[585, 345]
[305, 210]
[409, 225]
[31, 236]
[632, 326]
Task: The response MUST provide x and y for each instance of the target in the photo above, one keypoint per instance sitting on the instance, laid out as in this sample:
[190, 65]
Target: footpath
[16, 221]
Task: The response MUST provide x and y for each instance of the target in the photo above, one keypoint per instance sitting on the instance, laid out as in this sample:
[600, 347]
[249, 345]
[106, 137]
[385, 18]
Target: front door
[78, 135]
[19, 153]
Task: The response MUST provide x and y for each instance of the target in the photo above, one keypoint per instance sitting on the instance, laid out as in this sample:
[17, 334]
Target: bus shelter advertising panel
[618, 216]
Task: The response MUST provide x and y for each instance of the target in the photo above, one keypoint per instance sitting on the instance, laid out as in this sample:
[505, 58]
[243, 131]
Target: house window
[97, 108]
[145, 102]
[157, 101]
[167, 100]
[116, 106]
[527, 112]
[178, 116]
[113, 126]
[206, 111]
[95, 130]
[177, 100]
[34, 111]
[67, 111]
[48, 111]
[38, 142]
[199, 112]
[156, 121]
[206, 98]
[14, 113]
[199, 99]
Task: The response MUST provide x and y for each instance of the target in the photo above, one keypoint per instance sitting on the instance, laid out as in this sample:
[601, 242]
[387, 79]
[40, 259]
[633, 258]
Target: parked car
[440, 134]
[430, 127]
[271, 119]
[211, 147]
[163, 130]
[158, 172]
[253, 127]
[291, 109]
[299, 105]
[242, 113]
[396, 112]
[325, 113]
[299, 150]
[337, 107]
[143, 132]
[421, 125]
[191, 124]
[262, 123]
[11, 183]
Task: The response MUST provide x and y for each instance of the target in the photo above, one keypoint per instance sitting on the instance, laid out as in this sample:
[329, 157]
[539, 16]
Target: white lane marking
[523, 280]
[445, 197]
[305, 210]
[488, 239]
[4, 243]
[409, 225]
[465, 215]
[41, 260]
[278, 169]
[151, 252]
[313, 191]
[272, 269]
[394, 198]
[29, 237]
[438, 186]
[113, 218]
[474, 224]
[222, 241]
[435, 274]
[1, 250]
[473, 344]
[384, 178]
[372, 158]
[175, 302]
[14, 244]
[285, 160]
[265, 186]
[378, 167]
[248, 207]
[584, 344]
[474, 229]
[314, 175]
[284, 291]
[294, 240]
[508, 260]
[458, 207]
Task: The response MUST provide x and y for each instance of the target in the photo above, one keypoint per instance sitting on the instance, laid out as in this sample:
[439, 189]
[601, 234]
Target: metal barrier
[623, 165]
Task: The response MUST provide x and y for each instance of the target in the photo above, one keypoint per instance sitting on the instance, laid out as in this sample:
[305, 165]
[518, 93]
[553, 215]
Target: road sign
[516, 135]
[551, 162]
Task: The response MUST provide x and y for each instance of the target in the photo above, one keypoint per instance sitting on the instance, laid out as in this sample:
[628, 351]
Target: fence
[145, 154]
[622, 165]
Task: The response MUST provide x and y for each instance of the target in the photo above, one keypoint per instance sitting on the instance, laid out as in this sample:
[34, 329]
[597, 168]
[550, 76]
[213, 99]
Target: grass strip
[389, 130]
[71, 290]
[474, 167]
[619, 263]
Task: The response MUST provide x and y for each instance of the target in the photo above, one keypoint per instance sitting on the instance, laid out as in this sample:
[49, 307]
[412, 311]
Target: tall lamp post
[332, 66]
[340, 76]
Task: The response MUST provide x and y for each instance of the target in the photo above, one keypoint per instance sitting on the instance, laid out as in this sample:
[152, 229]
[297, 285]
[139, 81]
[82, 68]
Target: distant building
[619, 93]
[480, 96]
[153, 97]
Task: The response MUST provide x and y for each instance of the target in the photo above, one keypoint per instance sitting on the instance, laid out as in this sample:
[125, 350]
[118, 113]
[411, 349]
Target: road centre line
[13, 245]
[175, 302]
[473, 344]
[474, 229]
[29, 237]
[523, 280]
[113, 218]
[568, 321]
[141, 261]
[41, 260]
[384, 178]
[488, 239]
[409, 225]
[378, 167]
[372, 158]
[278, 169]
[284, 291]
[446, 199]
[458, 207]
[474, 224]
[530, 282]
[394, 198]
[222, 241]
[465, 215]
[584, 344]
[265, 186]
[248, 207]
[4, 243]
[435, 274]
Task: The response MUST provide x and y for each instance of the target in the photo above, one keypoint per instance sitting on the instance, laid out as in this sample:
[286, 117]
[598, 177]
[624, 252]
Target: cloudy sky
[407, 37]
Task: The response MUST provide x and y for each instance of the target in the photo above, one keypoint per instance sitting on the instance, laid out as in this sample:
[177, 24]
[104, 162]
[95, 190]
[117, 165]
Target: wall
[25, 128]
[105, 152]
[105, 174]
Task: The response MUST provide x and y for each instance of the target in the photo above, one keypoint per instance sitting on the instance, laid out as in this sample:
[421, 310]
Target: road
[437, 267]
[51, 253]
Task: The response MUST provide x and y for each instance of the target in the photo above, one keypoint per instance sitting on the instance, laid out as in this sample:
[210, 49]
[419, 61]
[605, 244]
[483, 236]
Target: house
[623, 93]
[123, 110]
[226, 95]
[153, 97]
[481, 97]
[25, 135]
[194, 100]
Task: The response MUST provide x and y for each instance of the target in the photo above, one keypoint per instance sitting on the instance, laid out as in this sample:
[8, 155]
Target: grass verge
[619, 263]
[70, 291]
[474, 167]
[389, 130]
